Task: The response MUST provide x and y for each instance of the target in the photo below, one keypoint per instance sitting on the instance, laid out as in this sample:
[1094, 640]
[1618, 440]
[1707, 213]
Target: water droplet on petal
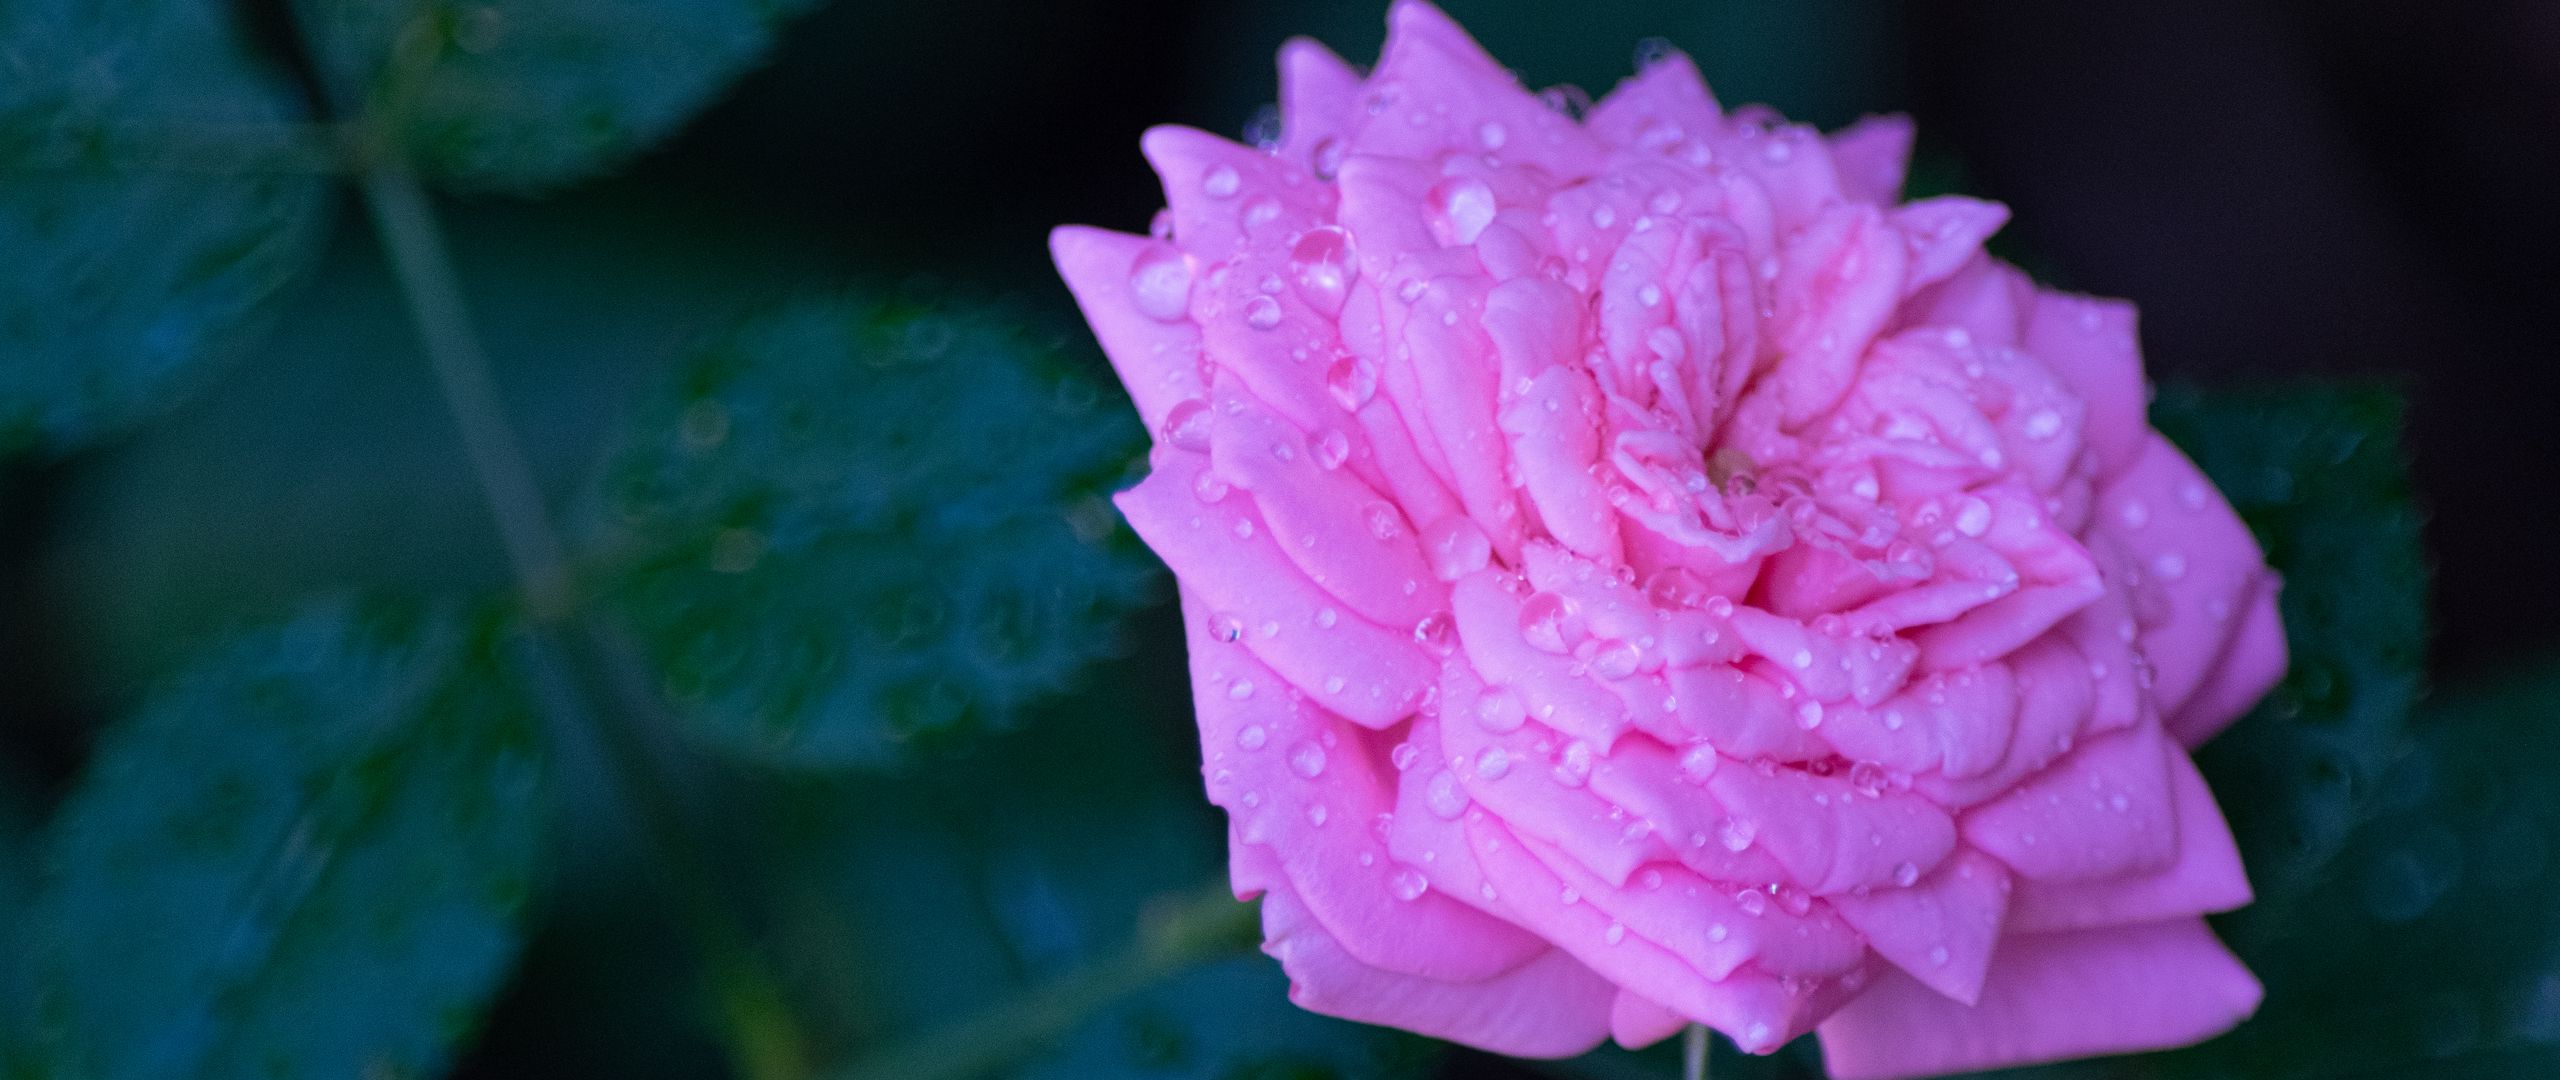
[1868, 777]
[1573, 767]
[1225, 628]
[1408, 884]
[1316, 815]
[1457, 547]
[1461, 209]
[1307, 760]
[1350, 381]
[1545, 622]
[1736, 834]
[1221, 182]
[1253, 736]
[1186, 425]
[1906, 874]
[1436, 633]
[1501, 710]
[1160, 284]
[1443, 795]
[1332, 448]
[1262, 313]
[1494, 763]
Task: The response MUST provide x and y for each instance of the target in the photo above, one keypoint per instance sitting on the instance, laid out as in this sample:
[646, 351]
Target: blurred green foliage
[155, 207]
[852, 524]
[522, 95]
[307, 857]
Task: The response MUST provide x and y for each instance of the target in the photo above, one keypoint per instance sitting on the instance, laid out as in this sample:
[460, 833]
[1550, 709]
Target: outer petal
[1319, 96]
[1549, 1007]
[2206, 877]
[2250, 666]
[2198, 557]
[1941, 930]
[2103, 812]
[2089, 342]
[1872, 155]
[2049, 997]
[1158, 360]
[1657, 107]
[1438, 93]
[1301, 788]
[1224, 552]
[1637, 1023]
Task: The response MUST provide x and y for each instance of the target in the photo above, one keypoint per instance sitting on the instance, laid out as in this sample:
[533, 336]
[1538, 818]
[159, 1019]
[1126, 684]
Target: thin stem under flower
[1693, 1053]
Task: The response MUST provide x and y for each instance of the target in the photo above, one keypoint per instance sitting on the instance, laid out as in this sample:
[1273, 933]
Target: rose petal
[1941, 930]
[1549, 1007]
[1158, 360]
[2048, 997]
[1224, 552]
[2102, 812]
[2206, 877]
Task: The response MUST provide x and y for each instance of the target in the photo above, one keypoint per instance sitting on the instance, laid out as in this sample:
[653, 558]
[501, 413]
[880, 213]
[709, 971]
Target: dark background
[2289, 191]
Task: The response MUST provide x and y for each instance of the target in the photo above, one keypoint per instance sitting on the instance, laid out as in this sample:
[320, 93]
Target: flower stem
[1693, 1053]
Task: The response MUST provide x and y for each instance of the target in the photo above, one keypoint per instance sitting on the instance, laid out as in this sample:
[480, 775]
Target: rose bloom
[1639, 571]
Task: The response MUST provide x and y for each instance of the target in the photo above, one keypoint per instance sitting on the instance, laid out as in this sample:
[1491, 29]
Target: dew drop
[1461, 208]
[1307, 760]
[1160, 284]
[1457, 547]
[1332, 448]
[1494, 763]
[1225, 628]
[1320, 261]
[1544, 621]
[1500, 710]
[1253, 736]
[1408, 884]
[1325, 159]
[1436, 633]
[1573, 767]
[1222, 182]
[1262, 313]
[1350, 381]
[1186, 425]
[1443, 795]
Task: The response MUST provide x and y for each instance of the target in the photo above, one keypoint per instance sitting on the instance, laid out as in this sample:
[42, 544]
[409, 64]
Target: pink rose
[1640, 572]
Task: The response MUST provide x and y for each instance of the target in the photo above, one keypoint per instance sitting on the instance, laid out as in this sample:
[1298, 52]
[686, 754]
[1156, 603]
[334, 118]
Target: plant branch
[765, 1038]
[1175, 933]
[415, 244]
[1693, 1052]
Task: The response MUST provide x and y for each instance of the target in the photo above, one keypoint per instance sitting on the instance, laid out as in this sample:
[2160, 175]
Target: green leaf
[153, 200]
[923, 902]
[854, 523]
[521, 95]
[306, 858]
